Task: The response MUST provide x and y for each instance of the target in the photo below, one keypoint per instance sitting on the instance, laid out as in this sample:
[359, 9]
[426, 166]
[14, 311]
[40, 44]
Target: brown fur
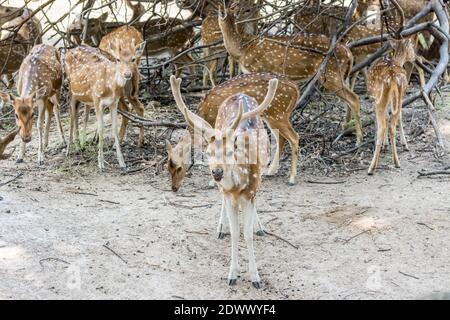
[127, 38]
[387, 83]
[277, 116]
[211, 33]
[284, 55]
[4, 142]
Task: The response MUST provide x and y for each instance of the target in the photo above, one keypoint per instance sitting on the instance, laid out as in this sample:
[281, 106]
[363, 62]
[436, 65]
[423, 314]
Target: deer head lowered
[234, 163]
[38, 85]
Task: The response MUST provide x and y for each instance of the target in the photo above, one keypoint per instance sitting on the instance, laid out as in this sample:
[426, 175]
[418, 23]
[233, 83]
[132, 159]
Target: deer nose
[26, 139]
[174, 188]
[128, 75]
[217, 174]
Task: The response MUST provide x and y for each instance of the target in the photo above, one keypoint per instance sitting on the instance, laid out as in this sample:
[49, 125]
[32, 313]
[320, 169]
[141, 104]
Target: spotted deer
[97, 81]
[297, 57]
[238, 151]
[4, 142]
[168, 36]
[276, 116]
[38, 85]
[210, 34]
[129, 41]
[387, 83]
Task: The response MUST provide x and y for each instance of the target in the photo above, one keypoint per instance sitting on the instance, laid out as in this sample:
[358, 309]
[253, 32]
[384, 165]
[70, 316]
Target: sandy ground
[68, 232]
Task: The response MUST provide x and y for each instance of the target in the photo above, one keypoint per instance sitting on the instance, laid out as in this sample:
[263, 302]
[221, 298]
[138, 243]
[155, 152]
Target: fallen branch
[149, 123]
[280, 238]
[13, 179]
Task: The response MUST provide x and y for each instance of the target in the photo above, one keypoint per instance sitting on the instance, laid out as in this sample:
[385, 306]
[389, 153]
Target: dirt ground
[68, 232]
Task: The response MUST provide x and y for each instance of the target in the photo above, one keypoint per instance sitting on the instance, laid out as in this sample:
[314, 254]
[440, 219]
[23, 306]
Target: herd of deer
[230, 119]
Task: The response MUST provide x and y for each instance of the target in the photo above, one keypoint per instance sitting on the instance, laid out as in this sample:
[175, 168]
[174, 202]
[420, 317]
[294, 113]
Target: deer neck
[400, 56]
[231, 39]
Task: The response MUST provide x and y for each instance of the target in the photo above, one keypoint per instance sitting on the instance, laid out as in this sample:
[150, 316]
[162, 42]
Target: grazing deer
[126, 38]
[39, 83]
[97, 81]
[210, 33]
[238, 151]
[297, 57]
[387, 83]
[276, 116]
[4, 142]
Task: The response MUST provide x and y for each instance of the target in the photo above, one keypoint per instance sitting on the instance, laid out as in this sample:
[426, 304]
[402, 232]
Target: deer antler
[402, 18]
[273, 85]
[192, 119]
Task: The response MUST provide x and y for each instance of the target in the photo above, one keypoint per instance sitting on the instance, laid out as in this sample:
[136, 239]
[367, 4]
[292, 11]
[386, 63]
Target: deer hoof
[260, 233]
[232, 282]
[256, 284]
[220, 235]
[40, 163]
[19, 161]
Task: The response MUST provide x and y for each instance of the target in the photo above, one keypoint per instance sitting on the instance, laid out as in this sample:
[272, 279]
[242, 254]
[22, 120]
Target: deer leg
[354, 77]
[139, 108]
[222, 220]
[402, 133]
[249, 212]
[231, 64]
[73, 105]
[21, 153]
[57, 113]
[289, 133]
[381, 130]
[392, 129]
[212, 67]
[353, 102]
[40, 126]
[48, 121]
[260, 228]
[205, 69]
[124, 124]
[233, 217]
[120, 159]
[100, 131]
[275, 164]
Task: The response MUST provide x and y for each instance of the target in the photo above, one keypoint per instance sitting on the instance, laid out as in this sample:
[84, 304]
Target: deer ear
[103, 17]
[6, 98]
[140, 49]
[168, 147]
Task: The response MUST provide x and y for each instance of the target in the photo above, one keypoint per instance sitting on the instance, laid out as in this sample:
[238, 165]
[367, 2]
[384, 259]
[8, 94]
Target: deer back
[125, 35]
[91, 74]
[172, 41]
[41, 68]
[255, 86]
